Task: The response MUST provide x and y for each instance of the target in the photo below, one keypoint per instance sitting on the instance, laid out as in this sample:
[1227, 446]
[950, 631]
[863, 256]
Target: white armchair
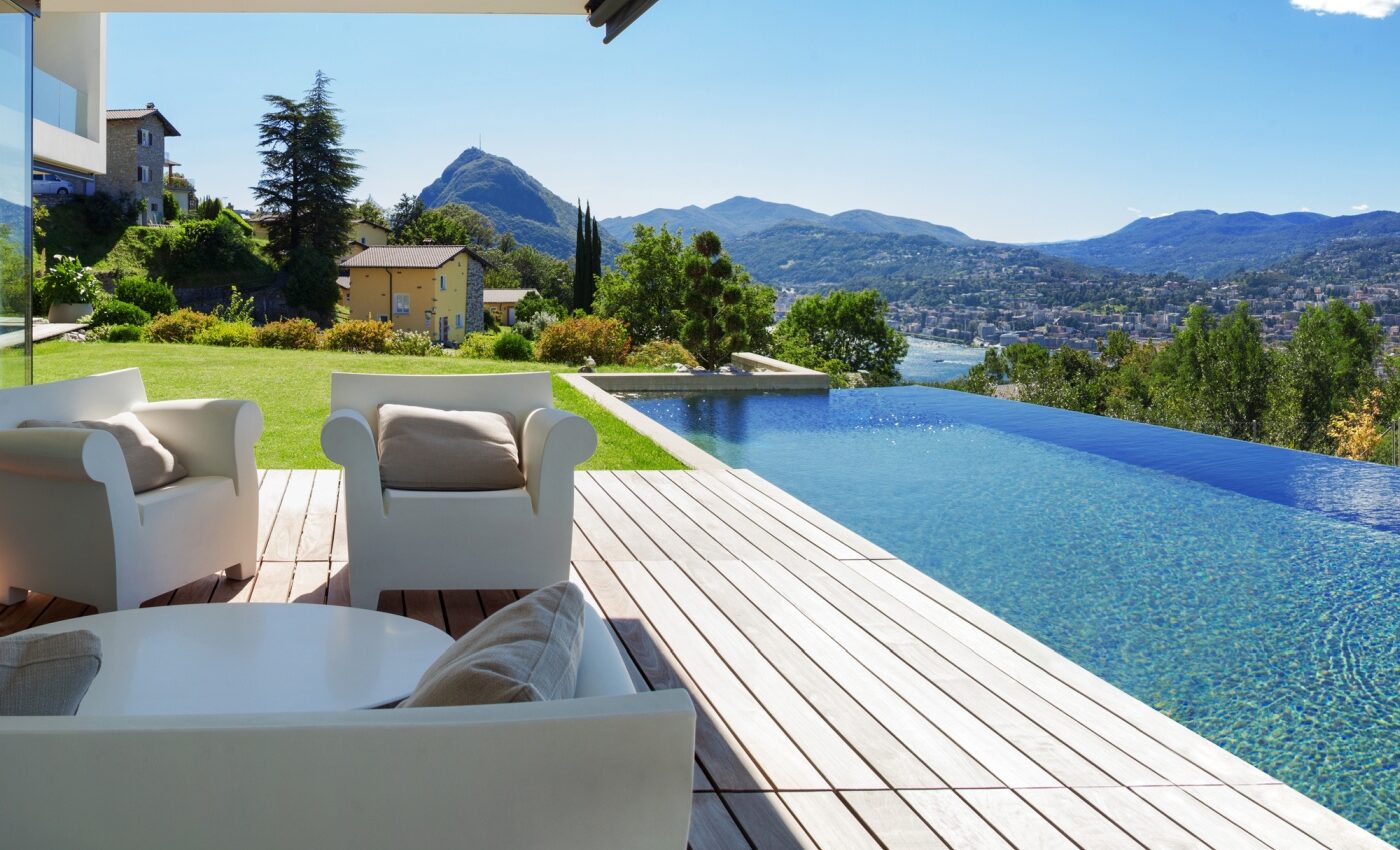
[70, 524]
[421, 540]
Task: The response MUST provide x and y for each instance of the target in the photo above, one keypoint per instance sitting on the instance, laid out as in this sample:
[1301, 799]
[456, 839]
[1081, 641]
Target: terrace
[844, 699]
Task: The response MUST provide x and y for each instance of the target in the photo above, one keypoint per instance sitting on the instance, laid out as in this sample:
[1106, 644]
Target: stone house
[136, 158]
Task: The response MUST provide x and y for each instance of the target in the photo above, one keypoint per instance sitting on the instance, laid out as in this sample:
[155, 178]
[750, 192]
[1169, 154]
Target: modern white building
[70, 93]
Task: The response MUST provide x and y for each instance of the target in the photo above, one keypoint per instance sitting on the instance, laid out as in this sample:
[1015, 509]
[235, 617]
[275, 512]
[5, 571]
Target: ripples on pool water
[1249, 592]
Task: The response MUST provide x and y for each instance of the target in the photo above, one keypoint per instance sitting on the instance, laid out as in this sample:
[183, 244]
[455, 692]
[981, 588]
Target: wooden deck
[845, 700]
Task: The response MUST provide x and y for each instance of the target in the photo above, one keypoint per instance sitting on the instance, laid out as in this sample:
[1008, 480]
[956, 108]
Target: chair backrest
[516, 393]
[93, 397]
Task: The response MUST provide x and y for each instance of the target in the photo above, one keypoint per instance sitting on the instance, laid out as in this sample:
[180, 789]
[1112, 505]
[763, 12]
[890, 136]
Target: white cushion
[149, 463]
[422, 448]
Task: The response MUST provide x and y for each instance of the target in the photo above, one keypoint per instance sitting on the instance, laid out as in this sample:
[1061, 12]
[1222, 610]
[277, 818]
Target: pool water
[1249, 592]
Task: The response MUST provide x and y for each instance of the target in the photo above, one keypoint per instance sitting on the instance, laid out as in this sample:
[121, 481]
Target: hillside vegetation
[189, 253]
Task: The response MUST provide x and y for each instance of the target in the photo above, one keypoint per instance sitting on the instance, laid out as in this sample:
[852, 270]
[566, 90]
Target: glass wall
[16, 129]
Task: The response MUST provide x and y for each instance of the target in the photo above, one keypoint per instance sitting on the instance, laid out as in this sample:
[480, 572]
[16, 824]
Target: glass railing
[59, 104]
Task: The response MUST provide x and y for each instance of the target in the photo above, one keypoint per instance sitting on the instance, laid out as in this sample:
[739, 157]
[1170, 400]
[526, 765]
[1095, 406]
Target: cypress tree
[580, 261]
[596, 254]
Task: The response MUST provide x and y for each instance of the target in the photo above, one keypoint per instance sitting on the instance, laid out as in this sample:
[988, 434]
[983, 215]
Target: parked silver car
[51, 184]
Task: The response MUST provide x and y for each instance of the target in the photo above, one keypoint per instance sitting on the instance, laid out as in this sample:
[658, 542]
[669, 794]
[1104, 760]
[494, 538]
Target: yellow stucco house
[362, 233]
[501, 303]
[433, 288]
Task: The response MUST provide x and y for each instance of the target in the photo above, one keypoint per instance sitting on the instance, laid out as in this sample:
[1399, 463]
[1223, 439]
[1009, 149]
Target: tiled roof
[504, 296]
[136, 114]
[403, 257]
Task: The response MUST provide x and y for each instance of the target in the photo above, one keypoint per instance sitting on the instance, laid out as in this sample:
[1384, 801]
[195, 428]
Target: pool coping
[758, 373]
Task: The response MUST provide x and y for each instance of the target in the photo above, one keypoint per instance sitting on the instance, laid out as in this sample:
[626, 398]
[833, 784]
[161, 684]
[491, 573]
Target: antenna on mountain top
[479, 144]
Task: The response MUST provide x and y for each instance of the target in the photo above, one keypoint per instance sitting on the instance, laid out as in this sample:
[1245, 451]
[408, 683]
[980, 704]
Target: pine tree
[715, 328]
[305, 187]
[596, 254]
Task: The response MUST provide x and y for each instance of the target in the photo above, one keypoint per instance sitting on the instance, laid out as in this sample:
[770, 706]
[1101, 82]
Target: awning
[616, 15]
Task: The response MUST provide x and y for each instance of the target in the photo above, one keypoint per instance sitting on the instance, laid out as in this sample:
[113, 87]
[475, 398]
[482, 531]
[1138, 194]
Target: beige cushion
[525, 652]
[422, 448]
[47, 674]
[150, 464]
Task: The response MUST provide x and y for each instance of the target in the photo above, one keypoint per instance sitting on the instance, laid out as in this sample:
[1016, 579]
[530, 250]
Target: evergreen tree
[404, 215]
[305, 187]
[716, 328]
[596, 255]
[579, 264]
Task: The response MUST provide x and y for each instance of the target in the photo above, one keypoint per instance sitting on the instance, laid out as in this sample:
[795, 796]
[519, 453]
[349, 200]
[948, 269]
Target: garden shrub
[228, 214]
[478, 346]
[179, 326]
[530, 328]
[299, 334]
[662, 352]
[574, 340]
[359, 335]
[199, 245]
[228, 335]
[116, 333]
[412, 344]
[113, 311]
[534, 304]
[512, 346]
[154, 296]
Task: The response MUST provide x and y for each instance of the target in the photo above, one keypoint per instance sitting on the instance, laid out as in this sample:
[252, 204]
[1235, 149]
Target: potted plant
[69, 287]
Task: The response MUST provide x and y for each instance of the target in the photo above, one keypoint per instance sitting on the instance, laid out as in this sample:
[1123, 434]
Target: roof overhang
[468, 7]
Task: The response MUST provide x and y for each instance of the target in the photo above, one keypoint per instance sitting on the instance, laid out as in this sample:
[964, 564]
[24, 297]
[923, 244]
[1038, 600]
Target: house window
[143, 173]
[144, 138]
[442, 282]
[400, 303]
[459, 320]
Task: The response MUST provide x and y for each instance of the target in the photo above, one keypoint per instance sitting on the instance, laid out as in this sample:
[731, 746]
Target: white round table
[253, 658]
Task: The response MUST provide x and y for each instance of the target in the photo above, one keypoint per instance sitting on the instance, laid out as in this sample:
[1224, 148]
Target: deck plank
[759, 504]
[712, 827]
[285, 535]
[318, 530]
[826, 819]
[768, 822]
[891, 820]
[726, 762]
[866, 548]
[781, 759]
[809, 728]
[957, 824]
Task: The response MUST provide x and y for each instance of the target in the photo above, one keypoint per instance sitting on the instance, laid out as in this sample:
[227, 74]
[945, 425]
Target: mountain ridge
[742, 215]
[513, 200]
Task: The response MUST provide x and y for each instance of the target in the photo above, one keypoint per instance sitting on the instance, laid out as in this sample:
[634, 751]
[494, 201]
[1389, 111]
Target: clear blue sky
[1018, 120]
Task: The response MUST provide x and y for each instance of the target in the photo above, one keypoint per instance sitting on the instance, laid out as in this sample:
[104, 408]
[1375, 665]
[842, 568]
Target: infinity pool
[1249, 592]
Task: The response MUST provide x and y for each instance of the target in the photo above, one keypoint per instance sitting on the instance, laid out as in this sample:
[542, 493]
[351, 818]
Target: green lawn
[293, 388]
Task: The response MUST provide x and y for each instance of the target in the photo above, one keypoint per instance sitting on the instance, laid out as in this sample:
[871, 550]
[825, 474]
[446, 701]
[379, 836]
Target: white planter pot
[68, 313]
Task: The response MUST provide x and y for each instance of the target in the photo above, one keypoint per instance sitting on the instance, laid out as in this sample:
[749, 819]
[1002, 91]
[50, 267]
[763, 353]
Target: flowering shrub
[359, 335]
[412, 344]
[179, 326]
[662, 352]
[574, 340]
[512, 346]
[228, 335]
[290, 333]
[69, 282]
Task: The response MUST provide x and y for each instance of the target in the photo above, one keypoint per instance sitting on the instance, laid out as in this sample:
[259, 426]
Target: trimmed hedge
[228, 335]
[153, 296]
[116, 312]
[359, 335]
[512, 346]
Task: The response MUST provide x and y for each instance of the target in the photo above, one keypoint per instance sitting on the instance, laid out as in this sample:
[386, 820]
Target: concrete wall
[73, 48]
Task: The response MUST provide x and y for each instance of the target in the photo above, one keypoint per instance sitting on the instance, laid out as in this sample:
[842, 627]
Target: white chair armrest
[552, 443]
[72, 454]
[208, 436]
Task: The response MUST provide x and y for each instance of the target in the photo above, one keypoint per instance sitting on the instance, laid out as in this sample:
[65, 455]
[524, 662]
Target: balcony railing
[59, 104]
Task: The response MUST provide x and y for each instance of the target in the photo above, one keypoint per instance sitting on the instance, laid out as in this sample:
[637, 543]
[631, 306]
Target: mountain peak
[515, 202]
